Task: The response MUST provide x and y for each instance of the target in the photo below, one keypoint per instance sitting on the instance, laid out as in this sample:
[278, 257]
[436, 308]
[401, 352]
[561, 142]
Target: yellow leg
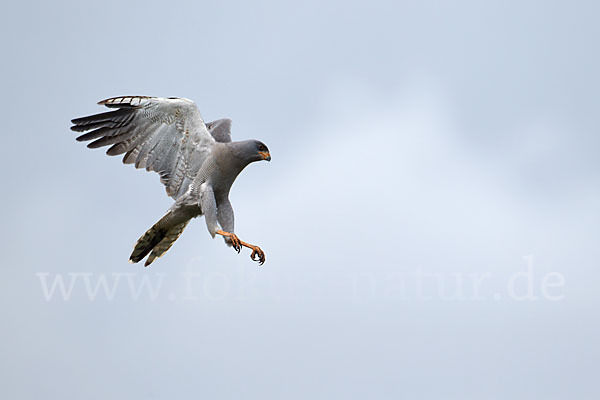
[257, 253]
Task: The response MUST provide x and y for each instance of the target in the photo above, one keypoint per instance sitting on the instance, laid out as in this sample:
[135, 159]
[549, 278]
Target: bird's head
[252, 150]
[263, 151]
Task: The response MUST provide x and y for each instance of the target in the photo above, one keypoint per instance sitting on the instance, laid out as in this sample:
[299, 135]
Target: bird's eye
[262, 148]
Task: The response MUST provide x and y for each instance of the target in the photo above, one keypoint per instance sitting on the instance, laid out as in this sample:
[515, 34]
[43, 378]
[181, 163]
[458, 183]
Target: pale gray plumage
[197, 163]
[220, 130]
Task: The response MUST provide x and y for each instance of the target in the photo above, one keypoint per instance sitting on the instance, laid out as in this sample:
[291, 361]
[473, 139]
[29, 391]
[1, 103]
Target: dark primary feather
[127, 101]
[84, 123]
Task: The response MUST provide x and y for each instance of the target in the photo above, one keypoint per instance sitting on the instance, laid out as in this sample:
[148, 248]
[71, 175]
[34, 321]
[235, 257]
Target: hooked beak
[265, 155]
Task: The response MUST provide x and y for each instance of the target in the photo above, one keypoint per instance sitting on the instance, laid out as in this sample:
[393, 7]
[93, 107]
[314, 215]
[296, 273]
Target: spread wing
[166, 135]
[220, 130]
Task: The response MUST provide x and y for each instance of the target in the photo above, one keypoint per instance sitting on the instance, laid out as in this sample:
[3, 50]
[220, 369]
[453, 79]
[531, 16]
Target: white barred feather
[165, 135]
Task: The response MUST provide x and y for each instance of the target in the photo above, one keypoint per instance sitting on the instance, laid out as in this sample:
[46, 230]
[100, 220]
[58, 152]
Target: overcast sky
[430, 216]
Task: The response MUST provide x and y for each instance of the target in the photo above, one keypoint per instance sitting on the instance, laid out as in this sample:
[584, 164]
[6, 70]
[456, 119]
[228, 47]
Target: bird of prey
[197, 162]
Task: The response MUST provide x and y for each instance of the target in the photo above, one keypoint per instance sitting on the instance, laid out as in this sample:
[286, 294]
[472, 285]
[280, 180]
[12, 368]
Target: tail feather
[165, 244]
[156, 241]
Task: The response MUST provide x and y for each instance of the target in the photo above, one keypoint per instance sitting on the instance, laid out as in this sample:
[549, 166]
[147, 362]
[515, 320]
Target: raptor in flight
[197, 162]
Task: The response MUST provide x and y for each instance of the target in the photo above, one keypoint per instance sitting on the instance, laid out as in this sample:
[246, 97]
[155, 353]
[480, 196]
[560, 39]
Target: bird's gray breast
[224, 169]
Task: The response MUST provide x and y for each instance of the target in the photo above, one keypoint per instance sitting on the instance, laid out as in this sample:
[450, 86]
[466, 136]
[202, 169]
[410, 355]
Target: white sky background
[407, 137]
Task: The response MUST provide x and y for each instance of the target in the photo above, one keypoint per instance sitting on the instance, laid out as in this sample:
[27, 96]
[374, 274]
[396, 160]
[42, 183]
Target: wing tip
[78, 120]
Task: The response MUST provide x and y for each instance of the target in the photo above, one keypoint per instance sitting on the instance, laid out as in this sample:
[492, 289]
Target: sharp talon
[235, 242]
[258, 255]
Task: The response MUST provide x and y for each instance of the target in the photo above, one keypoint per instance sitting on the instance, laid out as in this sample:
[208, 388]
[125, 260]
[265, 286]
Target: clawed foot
[257, 253]
[235, 242]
